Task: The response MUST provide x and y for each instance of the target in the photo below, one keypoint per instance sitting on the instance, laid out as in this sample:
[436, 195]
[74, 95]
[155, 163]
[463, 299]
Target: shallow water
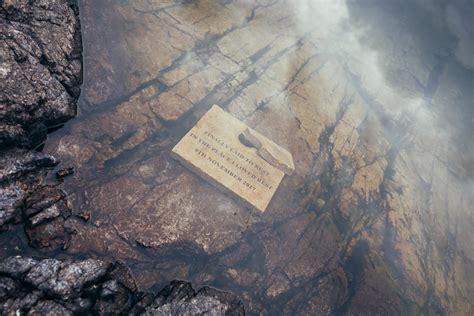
[375, 104]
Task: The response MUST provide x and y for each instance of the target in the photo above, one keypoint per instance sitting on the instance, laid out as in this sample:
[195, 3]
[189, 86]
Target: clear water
[373, 100]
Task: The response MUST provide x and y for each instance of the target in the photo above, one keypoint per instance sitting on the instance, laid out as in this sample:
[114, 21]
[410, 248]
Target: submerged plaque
[215, 148]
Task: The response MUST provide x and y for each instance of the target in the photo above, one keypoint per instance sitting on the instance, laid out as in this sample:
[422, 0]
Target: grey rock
[41, 69]
[77, 274]
[56, 287]
[10, 199]
[24, 196]
[114, 298]
[7, 287]
[179, 298]
[48, 286]
[65, 280]
[49, 308]
[78, 304]
[43, 198]
[49, 213]
[18, 174]
[40, 79]
[18, 162]
[21, 302]
[16, 266]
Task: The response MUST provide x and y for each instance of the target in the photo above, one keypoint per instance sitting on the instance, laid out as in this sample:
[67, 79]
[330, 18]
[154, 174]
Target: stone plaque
[214, 149]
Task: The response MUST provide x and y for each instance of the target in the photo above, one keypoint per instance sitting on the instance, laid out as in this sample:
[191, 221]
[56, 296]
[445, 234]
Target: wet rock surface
[18, 164]
[41, 69]
[63, 287]
[27, 197]
[179, 298]
[41, 74]
[373, 101]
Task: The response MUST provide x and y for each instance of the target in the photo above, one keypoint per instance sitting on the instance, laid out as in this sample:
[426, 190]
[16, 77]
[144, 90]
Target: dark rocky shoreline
[41, 82]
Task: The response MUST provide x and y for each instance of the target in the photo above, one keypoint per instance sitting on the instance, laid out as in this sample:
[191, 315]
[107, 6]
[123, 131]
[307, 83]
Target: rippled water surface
[373, 100]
